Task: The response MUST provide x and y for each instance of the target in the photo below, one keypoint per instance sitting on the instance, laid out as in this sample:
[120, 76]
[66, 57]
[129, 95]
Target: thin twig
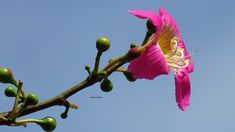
[16, 102]
[97, 61]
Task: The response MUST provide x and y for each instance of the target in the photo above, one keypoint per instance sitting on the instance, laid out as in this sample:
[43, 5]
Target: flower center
[165, 38]
[175, 57]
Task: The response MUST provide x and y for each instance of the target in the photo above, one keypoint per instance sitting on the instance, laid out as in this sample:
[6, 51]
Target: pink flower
[165, 51]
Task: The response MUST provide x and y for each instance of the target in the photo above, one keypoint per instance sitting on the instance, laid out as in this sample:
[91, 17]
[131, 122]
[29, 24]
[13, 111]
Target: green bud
[64, 115]
[87, 68]
[129, 76]
[10, 91]
[102, 44]
[95, 73]
[31, 99]
[48, 123]
[134, 53]
[133, 45]
[106, 85]
[6, 76]
[151, 28]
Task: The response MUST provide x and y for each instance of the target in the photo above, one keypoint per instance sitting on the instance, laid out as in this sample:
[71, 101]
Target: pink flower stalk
[165, 51]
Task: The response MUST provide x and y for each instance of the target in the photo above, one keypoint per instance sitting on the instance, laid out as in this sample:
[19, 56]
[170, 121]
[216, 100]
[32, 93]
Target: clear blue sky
[47, 43]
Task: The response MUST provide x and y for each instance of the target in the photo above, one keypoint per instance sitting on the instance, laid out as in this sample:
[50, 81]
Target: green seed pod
[10, 91]
[133, 45]
[102, 44]
[6, 76]
[129, 76]
[64, 115]
[48, 123]
[31, 99]
[106, 85]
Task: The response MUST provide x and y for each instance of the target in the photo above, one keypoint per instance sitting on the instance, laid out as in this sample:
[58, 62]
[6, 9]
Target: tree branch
[60, 99]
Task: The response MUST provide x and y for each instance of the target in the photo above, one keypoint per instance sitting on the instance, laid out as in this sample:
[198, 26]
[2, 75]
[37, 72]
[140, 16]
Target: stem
[21, 109]
[23, 93]
[120, 70]
[59, 99]
[97, 61]
[20, 122]
[120, 58]
[147, 36]
[16, 102]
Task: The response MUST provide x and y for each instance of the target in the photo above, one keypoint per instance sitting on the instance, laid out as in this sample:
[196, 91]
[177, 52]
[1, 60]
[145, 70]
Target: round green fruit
[10, 91]
[102, 44]
[31, 99]
[6, 76]
[48, 123]
[64, 115]
[106, 85]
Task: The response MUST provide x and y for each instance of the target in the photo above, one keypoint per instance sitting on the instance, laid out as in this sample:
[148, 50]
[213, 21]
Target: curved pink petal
[182, 89]
[155, 18]
[149, 65]
[190, 67]
[169, 22]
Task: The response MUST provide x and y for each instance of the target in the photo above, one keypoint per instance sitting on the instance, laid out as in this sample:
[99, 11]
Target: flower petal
[190, 67]
[168, 20]
[172, 28]
[155, 18]
[182, 89]
[150, 64]
[169, 31]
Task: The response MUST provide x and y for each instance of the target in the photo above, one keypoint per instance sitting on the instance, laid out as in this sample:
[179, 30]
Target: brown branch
[60, 99]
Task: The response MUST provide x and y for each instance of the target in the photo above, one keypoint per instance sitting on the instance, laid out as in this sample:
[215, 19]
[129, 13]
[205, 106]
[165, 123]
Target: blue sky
[48, 43]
